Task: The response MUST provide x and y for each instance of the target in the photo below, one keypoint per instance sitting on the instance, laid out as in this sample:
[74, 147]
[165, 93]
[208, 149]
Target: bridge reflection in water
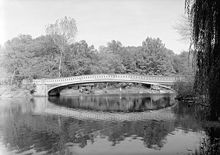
[115, 103]
[108, 107]
[45, 128]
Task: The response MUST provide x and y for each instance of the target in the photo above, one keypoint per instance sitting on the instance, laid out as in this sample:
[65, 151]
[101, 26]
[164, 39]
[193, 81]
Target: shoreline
[11, 92]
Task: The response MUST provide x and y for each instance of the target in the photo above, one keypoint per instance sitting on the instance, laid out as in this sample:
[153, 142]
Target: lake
[104, 124]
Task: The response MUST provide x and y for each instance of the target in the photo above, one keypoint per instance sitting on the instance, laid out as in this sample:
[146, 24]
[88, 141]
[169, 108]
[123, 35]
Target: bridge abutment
[41, 90]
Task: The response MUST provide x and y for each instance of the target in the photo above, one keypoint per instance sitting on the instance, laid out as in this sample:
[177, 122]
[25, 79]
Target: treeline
[27, 57]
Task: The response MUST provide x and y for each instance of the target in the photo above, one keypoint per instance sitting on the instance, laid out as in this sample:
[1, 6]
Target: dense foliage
[205, 16]
[63, 31]
[26, 57]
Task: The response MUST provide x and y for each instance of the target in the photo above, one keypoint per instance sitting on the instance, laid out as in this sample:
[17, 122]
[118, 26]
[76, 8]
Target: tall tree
[154, 58]
[184, 28]
[45, 57]
[63, 32]
[34, 58]
[182, 64]
[114, 46]
[80, 59]
[205, 18]
[16, 57]
[129, 57]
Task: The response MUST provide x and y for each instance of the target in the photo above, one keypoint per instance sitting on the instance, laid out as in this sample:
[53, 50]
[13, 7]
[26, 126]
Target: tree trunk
[60, 64]
[12, 78]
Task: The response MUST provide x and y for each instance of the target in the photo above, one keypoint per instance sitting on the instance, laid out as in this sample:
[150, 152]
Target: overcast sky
[98, 21]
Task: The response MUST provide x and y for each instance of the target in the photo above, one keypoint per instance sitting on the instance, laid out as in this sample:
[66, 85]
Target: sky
[98, 21]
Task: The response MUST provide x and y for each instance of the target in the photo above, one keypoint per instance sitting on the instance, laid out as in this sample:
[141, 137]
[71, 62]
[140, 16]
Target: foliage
[62, 32]
[65, 27]
[184, 28]
[184, 89]
[33, 58]
[154, 58]
[80, 59]
[110, 60]
[39, 58]
[205, 16]
[182, 64]
[211, 144]
[16, 55]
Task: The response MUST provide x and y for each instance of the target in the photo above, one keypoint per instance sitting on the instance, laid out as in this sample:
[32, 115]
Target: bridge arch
[61, 86]
[45, 86]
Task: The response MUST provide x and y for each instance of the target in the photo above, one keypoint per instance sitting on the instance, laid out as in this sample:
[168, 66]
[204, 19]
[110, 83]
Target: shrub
[184, 89]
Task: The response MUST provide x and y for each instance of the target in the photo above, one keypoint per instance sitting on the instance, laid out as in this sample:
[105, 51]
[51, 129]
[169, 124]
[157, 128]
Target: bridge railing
[108, 76]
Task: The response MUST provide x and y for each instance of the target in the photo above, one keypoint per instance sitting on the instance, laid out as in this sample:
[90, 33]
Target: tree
[25, 57]
[183, 64]
[16, 57]
[205, 19]
[114, 46]
[45, 57]
[110, 60]
[80, 59]
[63, 32]
[129, 57]
[110, 63]
[154, 58]
[184, 28]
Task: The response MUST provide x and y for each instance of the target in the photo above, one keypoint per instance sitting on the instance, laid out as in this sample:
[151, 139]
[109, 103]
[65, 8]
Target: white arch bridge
[45, 86]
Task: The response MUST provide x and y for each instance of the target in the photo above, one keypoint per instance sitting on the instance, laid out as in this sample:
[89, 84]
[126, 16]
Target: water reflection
[115, 103]
[29, 128]
[191, 113]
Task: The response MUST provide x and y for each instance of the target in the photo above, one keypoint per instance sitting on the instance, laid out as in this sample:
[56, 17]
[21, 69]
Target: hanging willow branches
[204, 16]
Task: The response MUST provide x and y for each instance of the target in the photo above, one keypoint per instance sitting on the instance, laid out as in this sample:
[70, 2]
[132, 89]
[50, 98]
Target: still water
[104, 124]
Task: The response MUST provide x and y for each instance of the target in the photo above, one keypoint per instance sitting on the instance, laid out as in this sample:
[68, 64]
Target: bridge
[45, 86]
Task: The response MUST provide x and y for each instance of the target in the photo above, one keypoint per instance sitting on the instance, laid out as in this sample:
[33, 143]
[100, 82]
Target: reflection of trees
[192, 116]
[125, 103]
[21, 136]
[52, 133]
[211, 144]
[152, 133]
[158, 130]
[189, 116]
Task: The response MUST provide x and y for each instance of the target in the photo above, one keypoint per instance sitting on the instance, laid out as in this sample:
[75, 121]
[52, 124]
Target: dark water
[69, 126]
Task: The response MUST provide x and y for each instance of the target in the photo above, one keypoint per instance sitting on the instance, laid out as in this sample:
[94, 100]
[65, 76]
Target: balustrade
[111, 76]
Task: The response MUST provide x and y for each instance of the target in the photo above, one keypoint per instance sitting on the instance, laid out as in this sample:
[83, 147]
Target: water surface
[72, 126]
[116, 103]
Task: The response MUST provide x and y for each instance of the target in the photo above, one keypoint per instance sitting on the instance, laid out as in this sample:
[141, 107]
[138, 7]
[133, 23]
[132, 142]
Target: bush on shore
[185, 89]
